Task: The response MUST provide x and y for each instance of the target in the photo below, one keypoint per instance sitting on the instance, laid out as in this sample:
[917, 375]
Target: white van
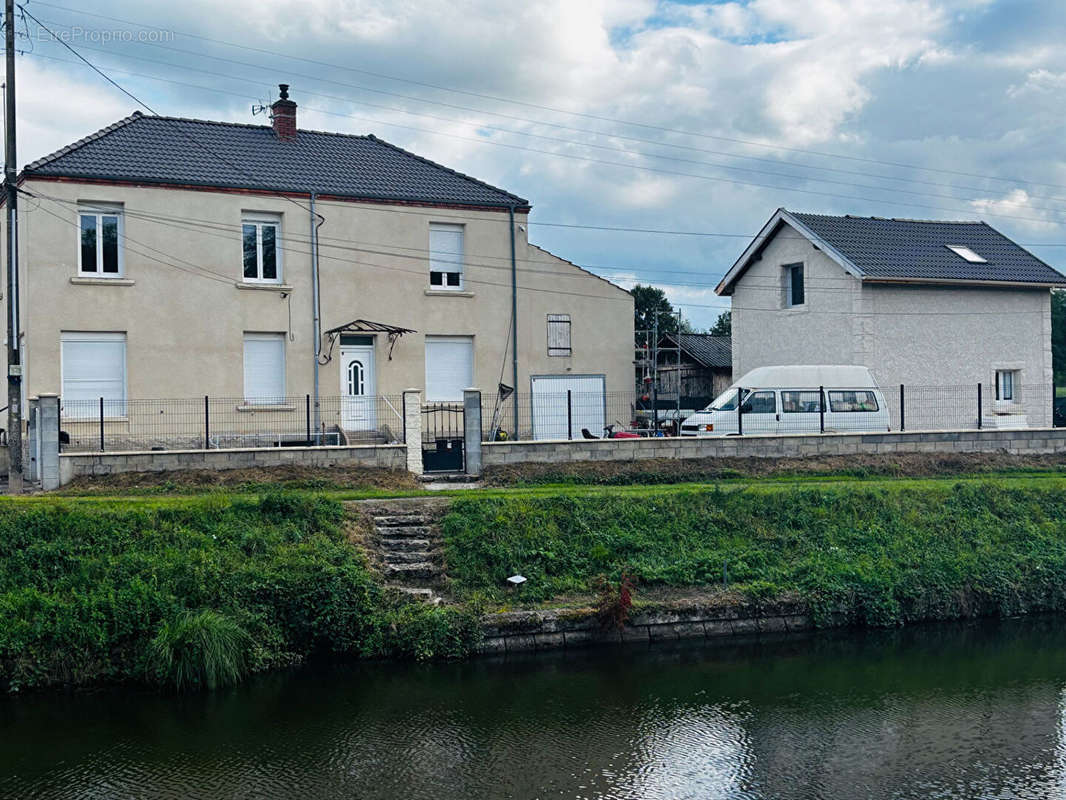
[787, 400]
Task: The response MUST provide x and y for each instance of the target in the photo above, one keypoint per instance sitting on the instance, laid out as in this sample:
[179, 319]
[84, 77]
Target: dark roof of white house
[191, 152]
[883, 249]
[714, 352]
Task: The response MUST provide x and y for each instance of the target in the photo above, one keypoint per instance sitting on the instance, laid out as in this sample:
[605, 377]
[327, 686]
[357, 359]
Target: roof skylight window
[967, 253]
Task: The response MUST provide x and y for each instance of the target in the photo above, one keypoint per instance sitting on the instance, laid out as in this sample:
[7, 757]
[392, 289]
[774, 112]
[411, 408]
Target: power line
[477, 140]
[751, 143]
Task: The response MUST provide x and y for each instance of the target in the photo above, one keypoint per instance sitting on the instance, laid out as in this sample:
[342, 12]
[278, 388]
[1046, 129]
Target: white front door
[358, 412]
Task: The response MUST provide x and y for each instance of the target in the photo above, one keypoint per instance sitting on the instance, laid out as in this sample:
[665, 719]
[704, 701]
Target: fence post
[472, 430]
[902, 410]
[980, 409]
[569, 415]
[821, 409]
[307, 413]
[101, 424]
[207, 423]
[740, 411]
[412, 426]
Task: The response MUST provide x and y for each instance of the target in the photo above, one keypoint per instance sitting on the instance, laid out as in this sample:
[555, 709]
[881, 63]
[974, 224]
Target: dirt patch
[251, 478]
[667, 470]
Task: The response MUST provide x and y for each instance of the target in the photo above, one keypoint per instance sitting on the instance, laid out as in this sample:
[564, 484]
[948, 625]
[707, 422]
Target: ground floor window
[264, 368]
[1005, 384]
[93, 366]
[449, 367]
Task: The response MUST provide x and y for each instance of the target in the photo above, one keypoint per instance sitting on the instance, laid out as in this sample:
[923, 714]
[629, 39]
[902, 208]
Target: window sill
[86, 281]
[264, 287]
[251, 408]
[447, 293]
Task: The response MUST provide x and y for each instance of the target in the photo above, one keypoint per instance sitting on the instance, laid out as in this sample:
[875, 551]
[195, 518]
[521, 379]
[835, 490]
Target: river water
[967, 711]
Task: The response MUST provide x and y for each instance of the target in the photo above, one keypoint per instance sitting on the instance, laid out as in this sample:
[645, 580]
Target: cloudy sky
[671, 116]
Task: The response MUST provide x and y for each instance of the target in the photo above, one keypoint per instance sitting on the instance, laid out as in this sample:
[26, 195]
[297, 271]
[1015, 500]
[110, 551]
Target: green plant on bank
[614, 601]
[196, 593]
[875, 556]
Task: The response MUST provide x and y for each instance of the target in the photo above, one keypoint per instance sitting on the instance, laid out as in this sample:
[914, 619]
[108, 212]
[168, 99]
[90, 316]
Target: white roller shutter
[587, 405]
[449, 367]
[93, 366]
[264, 367]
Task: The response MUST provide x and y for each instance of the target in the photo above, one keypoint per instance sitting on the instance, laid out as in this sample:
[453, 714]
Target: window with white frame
[445, 256]
[1006, 385]
[559, 335]
[264, 368]
[449, 367]
[93, 367]
[794, 288]
[261, 246]
[100, 241]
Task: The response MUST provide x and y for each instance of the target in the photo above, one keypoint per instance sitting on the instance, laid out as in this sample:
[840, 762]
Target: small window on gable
[794, 289]
[261, 248]
[100, 245]
[967, 253]
[445, 256]
[559, 335]
[1005, 384]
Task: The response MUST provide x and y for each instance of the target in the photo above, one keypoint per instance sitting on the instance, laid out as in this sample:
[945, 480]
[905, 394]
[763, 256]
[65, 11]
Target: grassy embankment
[195, 593]
[904, 552]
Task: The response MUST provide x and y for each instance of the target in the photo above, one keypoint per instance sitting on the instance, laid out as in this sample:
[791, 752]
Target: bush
[199, 650]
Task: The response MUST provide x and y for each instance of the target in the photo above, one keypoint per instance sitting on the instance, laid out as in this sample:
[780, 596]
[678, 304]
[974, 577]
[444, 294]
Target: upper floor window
[261, 240]
[100, 250]
[559, 335]
[794, 294]
[445, 256]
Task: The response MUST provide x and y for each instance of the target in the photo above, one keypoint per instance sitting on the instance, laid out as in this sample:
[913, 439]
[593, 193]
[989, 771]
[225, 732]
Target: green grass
[194, 592]
[900, 552]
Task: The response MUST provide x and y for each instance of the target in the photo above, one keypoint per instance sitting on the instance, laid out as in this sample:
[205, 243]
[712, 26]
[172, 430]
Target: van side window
[800, 402]
[852, 401]
[760, 403]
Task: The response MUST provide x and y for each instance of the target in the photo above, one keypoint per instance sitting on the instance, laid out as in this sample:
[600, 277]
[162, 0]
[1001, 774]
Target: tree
[1058, 336]
[723, 326]
[647, 300]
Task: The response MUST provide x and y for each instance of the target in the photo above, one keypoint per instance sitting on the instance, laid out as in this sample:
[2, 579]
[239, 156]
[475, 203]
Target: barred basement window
[559, 335]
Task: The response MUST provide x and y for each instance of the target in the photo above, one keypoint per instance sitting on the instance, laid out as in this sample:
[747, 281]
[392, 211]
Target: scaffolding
[649, 354]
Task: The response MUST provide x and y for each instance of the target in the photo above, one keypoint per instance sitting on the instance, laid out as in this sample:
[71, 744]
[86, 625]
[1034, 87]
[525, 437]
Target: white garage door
[587, 401]
[449, 367]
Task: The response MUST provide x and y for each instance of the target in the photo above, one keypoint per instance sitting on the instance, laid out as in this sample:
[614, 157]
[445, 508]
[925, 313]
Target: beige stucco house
[938, 307]
[166, 258]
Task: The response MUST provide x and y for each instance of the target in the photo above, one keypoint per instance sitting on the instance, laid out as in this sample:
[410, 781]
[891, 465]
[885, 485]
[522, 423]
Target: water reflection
[967, 711]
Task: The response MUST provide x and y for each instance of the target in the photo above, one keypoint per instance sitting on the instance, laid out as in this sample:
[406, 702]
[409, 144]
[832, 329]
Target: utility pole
[14, 365]
[655, 373]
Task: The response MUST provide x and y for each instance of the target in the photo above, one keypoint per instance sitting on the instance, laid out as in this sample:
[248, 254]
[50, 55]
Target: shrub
[202, 649]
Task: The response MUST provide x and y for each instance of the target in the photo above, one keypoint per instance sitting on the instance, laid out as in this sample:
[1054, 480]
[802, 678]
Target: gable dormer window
[100, 241]
[261, 245]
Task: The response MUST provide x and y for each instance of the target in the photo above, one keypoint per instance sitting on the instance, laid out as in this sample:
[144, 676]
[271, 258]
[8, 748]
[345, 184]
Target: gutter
[962, 282]
[316, 309]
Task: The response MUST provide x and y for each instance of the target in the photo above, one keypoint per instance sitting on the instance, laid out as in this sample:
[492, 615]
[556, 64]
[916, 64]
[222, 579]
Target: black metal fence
[229, 422]
[569, 415]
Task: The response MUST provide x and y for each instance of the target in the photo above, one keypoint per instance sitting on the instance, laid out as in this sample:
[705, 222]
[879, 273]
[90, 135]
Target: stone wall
[522, 631]
[1021, 442]
[381, 456]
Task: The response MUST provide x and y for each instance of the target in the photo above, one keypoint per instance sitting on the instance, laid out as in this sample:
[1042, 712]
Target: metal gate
[442, 437]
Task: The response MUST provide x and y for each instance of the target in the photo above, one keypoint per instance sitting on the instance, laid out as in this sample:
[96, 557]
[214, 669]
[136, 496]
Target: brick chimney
[283, 115]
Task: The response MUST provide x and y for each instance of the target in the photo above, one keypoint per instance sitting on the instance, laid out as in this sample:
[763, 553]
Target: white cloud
[1018, 204]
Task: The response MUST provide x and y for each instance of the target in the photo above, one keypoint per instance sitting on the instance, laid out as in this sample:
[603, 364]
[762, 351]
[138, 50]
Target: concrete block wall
[379, 456]
[1022, 442]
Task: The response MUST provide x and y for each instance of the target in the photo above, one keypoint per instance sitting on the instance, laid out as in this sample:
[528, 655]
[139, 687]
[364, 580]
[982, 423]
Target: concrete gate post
[412, 425]
[472, 430]
[48, 433]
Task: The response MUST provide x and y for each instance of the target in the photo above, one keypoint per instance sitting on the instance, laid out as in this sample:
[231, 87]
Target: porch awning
[393, 332]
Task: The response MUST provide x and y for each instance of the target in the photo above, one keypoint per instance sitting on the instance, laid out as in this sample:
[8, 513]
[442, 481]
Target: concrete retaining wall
[382, 456]
[522, 631]
[1021, 442]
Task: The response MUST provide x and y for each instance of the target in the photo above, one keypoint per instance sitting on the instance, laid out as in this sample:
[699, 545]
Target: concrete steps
[407, 544]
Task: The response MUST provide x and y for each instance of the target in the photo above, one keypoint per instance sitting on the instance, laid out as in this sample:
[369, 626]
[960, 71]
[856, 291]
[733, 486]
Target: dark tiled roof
[715, 352]
[170, 150]
[917, 249]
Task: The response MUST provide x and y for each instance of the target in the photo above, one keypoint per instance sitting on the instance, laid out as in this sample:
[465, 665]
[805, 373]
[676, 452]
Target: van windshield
[726, 401]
